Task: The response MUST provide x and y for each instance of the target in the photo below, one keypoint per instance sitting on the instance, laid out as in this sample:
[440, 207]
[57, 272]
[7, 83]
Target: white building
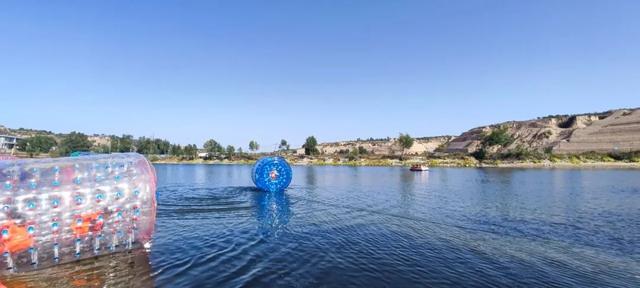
[8, 143]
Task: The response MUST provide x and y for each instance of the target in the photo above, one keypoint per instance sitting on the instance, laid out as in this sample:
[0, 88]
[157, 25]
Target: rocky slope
[384, 146]
[605, 132]
[611, 131]
[619, 132]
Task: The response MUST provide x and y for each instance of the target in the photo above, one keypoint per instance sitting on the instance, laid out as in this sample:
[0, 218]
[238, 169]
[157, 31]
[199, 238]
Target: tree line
[76, 141]
[79, 142]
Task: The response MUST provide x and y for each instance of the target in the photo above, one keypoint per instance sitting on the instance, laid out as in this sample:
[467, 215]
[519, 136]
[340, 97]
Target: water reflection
[127, 269]
[273, 212]
[311, 176]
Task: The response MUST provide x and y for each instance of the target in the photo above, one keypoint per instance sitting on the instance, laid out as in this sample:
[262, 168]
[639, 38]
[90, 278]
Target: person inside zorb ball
[272, 174]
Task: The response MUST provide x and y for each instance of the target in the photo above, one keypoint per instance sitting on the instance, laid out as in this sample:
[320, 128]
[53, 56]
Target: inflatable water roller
[60, 210]
[271, 174]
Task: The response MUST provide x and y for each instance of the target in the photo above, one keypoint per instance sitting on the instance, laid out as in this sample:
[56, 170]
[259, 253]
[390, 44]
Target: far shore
[430, 163]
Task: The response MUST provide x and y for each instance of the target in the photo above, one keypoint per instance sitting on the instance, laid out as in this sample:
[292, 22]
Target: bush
[608, 159]
[555, 158]
[353, 155]
[480, 154]
[37, 144]
[499, 136]
[574, 160]
[521, 153]
[469, 162]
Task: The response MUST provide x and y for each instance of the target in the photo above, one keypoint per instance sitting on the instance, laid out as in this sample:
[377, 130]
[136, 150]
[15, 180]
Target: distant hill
[97, 139]
[24, 133]
[387, 146]
[605, 132]
[602, 132]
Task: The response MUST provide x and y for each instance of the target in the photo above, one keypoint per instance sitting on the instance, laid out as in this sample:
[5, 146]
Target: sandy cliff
[605, 132]
[617, 130]
[385, 147]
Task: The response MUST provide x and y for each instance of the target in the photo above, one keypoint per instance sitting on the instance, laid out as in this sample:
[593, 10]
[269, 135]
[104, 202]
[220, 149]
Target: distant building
[100, 140]
[8, 143]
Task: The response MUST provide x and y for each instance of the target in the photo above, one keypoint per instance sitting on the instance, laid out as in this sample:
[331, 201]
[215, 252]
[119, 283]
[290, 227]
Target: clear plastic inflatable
[272, 174]
[60, 210]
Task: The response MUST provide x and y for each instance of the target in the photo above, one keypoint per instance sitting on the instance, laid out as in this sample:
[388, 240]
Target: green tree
[283, 145]
[213, 147]
[240, 150]
[254, 146]
[73, 142]
[122, 144]
[190, 151]
[406, 142]
[231, 150]
[37, 144]
[311, 146]
[144, 146]
[162, 147]
[176, 150]
[147, 146]
[104, 148]
[354, 155]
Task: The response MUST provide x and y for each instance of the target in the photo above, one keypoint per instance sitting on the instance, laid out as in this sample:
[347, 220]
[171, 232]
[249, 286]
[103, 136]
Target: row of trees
[147, 146]
[214, 148]
[46, 144]
[76, 141]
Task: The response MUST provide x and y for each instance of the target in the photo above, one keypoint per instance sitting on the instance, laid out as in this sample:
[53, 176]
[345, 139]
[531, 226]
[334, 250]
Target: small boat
[419, 167]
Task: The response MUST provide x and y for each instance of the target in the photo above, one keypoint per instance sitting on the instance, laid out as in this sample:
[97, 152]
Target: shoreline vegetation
[470, 162]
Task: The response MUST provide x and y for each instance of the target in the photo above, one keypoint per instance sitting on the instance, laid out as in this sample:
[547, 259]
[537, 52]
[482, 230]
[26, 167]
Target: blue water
[385, 227]
[376, 227]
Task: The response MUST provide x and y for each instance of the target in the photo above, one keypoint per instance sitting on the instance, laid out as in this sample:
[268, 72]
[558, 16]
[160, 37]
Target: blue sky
[265, 70]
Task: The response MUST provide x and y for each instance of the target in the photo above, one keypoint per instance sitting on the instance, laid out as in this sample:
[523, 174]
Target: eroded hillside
[617, 130]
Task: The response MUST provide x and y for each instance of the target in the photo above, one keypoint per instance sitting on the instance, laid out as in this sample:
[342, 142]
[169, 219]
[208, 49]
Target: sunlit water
[381, 227]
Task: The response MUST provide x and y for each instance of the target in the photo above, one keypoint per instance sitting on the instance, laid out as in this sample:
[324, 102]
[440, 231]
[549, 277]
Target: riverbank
[463, 162]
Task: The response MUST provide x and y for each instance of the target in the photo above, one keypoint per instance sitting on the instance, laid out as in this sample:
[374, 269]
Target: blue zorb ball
[271, 174]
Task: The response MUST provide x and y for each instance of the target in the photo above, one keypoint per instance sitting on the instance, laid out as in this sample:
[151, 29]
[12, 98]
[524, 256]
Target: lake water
[381, 227]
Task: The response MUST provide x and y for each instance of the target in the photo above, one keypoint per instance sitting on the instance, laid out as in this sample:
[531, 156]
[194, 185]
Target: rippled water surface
[380, 227]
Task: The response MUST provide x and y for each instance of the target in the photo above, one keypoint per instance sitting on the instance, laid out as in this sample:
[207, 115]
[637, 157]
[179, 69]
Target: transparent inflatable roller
[60, 210]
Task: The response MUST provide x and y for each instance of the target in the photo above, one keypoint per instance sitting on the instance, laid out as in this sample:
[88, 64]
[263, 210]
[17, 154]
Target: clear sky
[265, 70]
